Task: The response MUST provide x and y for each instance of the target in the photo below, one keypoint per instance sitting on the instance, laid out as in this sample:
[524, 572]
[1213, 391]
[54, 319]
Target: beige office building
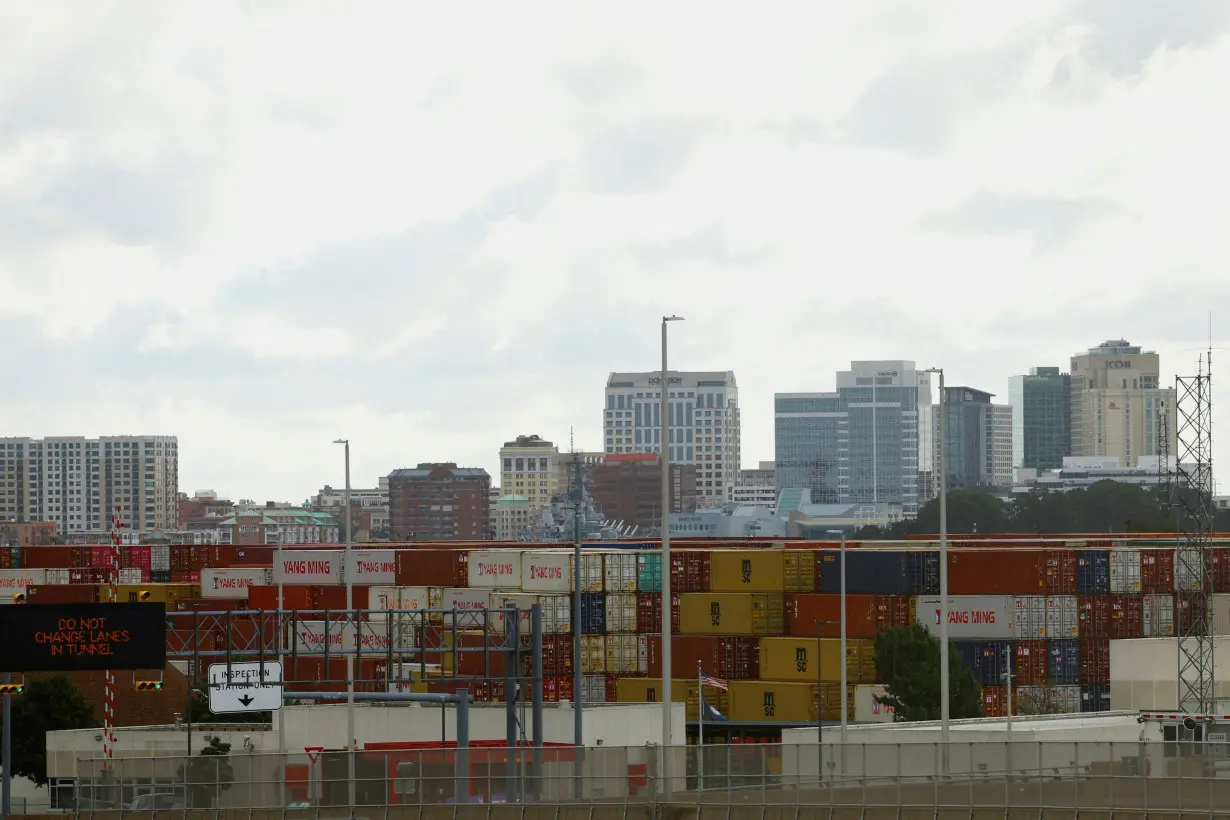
[1117, 401]
[530, 468]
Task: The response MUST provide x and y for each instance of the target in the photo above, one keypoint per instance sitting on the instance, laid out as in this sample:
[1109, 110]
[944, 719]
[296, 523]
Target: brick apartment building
[627, 487]
[27, 534]
[439, 502]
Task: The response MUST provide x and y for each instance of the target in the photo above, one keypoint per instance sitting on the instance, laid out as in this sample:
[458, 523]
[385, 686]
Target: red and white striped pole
[113, 596]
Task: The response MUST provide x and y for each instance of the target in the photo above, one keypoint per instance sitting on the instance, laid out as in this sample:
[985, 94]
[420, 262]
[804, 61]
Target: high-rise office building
[79, 483]
[704, 424]
[978, 437]
[1041, 418]
[1117, 402]
[860, 443]
[529, 467]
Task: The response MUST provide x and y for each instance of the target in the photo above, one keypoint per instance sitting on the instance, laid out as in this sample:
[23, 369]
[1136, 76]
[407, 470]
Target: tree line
[1106, 506]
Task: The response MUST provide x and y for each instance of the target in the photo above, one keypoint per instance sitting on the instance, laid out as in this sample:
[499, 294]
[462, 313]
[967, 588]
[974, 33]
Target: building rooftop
[426, 469]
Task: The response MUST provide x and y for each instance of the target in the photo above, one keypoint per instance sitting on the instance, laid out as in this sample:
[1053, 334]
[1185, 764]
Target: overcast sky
[429, 228]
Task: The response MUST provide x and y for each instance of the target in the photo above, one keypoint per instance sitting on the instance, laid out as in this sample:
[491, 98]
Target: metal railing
[1020, 774]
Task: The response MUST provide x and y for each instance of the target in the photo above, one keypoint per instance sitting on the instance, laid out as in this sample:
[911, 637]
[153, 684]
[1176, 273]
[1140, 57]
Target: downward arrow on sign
[246, 700]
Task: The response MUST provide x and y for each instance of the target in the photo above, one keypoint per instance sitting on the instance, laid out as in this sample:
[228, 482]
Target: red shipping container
[253, 556]
[185, 557]
[892, 611]
[47, 557]
[557, 688]
[334, 597]
[649, 613]
[431, 567]
[1095, 660]
[556, 655]
[309, 673]
[294, 596]
[208, 604]
[1094, 614]
[731, 658]
[1187, 614]
[1057, 572]
[1219, 568]
[62, 594]
[1157, 571]
[808, 611]
[993, 572]
[1030, 664]
[994, 701]
[1126, 617]
[180, 576]
[690, 571]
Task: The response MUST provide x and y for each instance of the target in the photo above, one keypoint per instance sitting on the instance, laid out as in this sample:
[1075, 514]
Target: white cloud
[433, 227]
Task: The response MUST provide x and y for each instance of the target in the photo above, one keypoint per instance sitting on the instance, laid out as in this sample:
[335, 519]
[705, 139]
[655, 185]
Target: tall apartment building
[860, 443]
[704, 426]
[627, 488]
[530, 468]
[439, 502]
[1117, 402]
[978, 439]
[78, 483]
[1041, 418]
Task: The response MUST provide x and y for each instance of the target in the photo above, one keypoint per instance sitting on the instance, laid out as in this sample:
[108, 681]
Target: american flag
[716, 683]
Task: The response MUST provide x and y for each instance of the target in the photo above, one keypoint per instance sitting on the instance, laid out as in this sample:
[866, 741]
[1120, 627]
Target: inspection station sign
[245, 687]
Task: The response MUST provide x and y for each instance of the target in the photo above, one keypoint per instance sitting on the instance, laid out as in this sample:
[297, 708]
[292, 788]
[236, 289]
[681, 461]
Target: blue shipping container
[922, 573]
[1063, 662]
[1093, 572]
[649, 572]
[970, 652]
[593, 613]
[870, 572]
[988, 660]
[1095, 697]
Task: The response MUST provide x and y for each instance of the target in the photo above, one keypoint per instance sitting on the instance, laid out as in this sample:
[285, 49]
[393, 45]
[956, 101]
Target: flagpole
[700, 726]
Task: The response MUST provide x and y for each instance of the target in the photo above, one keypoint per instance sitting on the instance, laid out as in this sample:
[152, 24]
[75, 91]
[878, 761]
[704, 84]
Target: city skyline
[258, 250]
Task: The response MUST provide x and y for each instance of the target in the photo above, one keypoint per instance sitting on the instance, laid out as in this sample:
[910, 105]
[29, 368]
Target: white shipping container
[1062, 617]
[866, 709]
[1219, 613]
[619, 571]
[311, 637]
[129, 575]
[1157, 613]
[1189, 570]
[232, 582]
[593, 654]
[592, 571]
[495, 569]
[19, 580]
[972, 617]
[372, 567]
[627, 654]
[474, 601]
[593, 689]
[308, 567]
[621, 612]
[58, 576]
[543, 571]
[388, 598]
[1030, 624]
[1125, 571]
[160, 558]
[556, 611]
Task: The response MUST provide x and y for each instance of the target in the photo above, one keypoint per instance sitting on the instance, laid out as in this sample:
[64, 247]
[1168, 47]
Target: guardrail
[971, 775]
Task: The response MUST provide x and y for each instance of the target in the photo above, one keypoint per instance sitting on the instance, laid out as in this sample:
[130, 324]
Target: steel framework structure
[1192, 496]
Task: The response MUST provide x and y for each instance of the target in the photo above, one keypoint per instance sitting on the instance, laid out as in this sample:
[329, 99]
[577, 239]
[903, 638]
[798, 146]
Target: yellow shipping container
[795, 659]
[770, 700]
[747, 571]
[830, 702]
[731, 613]
[158, 593]
[649, 690]
[800, 571]
[593, 654]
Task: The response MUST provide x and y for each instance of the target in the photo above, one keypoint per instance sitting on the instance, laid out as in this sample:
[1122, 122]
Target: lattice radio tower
[1191, 493]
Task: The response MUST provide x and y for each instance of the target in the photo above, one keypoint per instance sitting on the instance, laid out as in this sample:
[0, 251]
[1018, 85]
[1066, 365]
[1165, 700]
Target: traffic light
[12, 688]
[147, 685]
[143, 595]
[19, 597]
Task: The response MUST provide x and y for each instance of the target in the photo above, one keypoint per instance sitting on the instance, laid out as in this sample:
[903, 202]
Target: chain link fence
[981, 775]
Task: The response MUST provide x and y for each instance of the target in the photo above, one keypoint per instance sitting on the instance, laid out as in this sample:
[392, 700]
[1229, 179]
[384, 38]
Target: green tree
[46, 705]
[209, 775]
[908, 660]
[968, 511]
[1038, 700]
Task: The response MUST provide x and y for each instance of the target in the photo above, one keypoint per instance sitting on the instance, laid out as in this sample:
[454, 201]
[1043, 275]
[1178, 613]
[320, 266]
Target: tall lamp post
[350, 732]
[844, 682]
[666, 551]
[942, 421]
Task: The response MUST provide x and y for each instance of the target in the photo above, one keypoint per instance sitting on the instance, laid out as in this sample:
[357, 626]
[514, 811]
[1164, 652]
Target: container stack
[763, 616]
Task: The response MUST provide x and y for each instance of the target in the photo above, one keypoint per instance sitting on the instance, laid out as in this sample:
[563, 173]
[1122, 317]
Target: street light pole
[350, 671]
[665, 519]
[942, 421]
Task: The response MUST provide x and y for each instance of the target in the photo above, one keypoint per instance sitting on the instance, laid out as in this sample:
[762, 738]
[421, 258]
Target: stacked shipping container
[765, 619]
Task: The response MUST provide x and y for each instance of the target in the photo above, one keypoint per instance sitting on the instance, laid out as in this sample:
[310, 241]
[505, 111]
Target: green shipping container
[649, 572]
[15, 558]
